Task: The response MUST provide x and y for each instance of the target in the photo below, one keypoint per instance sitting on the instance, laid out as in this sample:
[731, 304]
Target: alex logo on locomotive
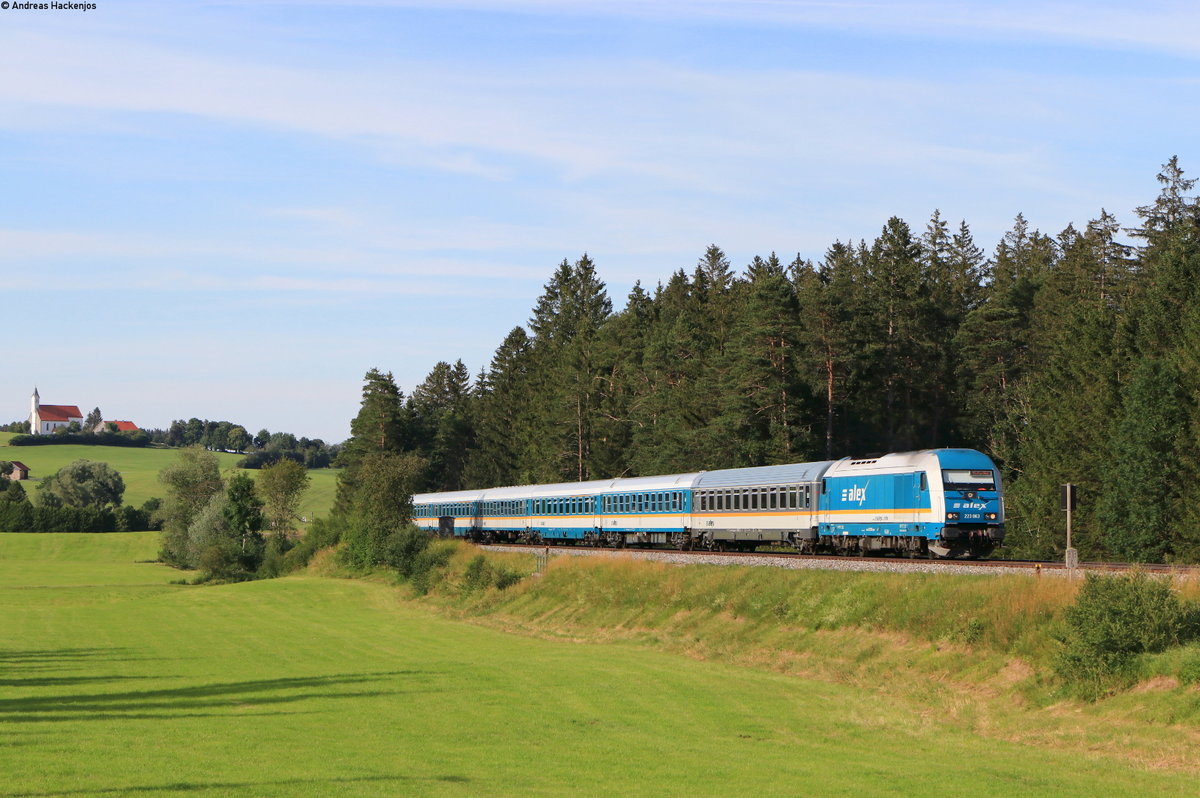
[855, 494]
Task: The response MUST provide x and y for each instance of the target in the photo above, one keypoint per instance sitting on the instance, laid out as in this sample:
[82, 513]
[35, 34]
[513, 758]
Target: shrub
[427, 565]
[404, 547]
[481, 574]
[322, 533]
[1113, 621]
[274, 562]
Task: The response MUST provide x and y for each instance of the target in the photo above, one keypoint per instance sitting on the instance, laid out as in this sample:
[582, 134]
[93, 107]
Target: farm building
[121, 426]
[19, 471]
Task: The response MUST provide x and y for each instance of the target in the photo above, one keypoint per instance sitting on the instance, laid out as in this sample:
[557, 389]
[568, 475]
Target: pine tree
[504, 416]
[767, 404]
[992, 344]
[439, 414]
[832, 312]
[622, 383]
[673, 414]
[379, 427]
[1164, 336]
[565, 325]
[1143, 481]
[1072, 387]
[903, 346]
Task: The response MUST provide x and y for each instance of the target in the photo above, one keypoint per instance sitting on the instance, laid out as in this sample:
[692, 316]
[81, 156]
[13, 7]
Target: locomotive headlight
[990, 516]
[970, 494]
[951, 516]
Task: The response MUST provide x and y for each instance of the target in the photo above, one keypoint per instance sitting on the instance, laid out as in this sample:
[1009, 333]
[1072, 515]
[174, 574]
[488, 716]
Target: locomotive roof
[922, 459]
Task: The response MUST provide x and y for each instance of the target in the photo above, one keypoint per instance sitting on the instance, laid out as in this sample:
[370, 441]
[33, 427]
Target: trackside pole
[1067, 499]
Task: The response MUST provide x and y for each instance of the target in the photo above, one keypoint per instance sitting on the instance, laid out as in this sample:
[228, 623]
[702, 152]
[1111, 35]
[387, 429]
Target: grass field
[139, 468]
[118, 683]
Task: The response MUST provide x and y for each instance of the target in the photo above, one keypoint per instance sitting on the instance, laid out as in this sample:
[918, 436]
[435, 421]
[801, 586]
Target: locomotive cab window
[969, 479]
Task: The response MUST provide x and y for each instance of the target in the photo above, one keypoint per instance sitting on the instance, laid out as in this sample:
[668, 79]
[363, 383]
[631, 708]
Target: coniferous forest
[1072, 357]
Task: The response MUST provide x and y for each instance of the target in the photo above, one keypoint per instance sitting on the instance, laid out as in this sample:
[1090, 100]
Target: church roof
[59, 413]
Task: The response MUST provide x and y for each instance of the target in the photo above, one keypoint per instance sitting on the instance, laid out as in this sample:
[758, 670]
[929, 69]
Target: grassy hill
[118, 682]
[139, 468]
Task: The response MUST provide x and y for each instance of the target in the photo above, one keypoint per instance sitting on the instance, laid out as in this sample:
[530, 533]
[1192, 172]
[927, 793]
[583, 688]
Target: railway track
[781, 559]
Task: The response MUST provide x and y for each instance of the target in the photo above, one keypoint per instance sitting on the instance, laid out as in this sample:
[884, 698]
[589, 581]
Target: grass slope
[119, 683]
[976, 652]
[139, 468]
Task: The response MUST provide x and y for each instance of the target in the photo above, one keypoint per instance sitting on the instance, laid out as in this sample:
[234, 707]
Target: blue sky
[233, 210]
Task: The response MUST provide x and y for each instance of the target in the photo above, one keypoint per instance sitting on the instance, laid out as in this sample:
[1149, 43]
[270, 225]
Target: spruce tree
[767, 404]
[1141, 491]
[672, 417]
[1164, 336]
[504, 417]
[440, 416]
[621, 384]
[379, 427]
[992, 344]
[1072, 387]
[565, 325]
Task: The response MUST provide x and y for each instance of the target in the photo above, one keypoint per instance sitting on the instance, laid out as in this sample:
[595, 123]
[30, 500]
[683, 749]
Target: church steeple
[35, 402]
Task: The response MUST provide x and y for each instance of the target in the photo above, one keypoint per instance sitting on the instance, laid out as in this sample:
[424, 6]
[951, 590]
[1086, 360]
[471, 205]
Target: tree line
[261, 449]
[1072, 357]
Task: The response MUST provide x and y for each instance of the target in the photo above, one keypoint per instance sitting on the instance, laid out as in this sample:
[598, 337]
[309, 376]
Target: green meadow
[117, 682]
[139, 468]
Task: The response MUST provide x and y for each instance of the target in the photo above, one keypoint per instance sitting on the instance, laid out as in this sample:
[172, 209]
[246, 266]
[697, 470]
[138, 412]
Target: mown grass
[139, 469]
[977, 652]
[117, 682]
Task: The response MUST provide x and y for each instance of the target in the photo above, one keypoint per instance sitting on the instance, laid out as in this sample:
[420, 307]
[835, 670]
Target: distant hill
[139, 468]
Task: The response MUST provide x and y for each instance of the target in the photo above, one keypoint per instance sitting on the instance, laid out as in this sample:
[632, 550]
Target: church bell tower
[35, 421]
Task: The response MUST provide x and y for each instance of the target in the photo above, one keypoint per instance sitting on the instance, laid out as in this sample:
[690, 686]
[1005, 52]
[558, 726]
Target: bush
[322, 533]
[481, 574]
[275, 562]
[1113, 621]
[404, 547]
[427, 565]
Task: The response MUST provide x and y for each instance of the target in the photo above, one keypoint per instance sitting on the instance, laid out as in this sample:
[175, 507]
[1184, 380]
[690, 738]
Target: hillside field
[139, 468]
[119, 683]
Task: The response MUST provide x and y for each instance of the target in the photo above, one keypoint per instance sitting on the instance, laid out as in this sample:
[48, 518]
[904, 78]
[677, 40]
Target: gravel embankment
[829, 564]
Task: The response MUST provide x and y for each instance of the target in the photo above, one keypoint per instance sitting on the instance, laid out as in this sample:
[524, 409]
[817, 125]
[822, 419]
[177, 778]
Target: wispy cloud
[1164, 25]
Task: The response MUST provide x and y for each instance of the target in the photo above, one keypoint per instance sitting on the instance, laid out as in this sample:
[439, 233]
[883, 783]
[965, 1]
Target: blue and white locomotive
[936, 502]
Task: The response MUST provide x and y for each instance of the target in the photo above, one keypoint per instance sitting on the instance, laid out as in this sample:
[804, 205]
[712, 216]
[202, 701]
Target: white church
[44, 419]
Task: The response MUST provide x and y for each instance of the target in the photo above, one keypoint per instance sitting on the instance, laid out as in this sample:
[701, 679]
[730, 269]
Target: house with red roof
[44, 419]
[122, 426]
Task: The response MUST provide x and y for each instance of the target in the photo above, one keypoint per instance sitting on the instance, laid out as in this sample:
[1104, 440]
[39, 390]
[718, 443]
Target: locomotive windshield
[969, 479]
